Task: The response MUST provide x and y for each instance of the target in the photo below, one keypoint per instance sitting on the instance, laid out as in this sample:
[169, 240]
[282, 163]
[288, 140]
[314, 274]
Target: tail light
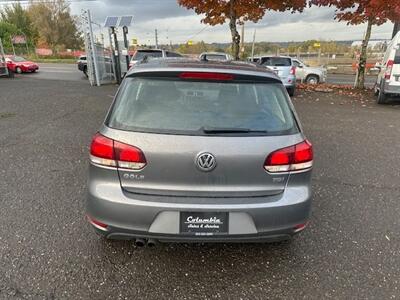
[294, 158]
[107, 152]
[206, 76]
[293, 70]
[389, 68]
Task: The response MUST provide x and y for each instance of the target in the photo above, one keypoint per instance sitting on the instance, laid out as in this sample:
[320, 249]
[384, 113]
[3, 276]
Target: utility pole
[156, 38]
[93, 47]
[12, 44]
[252, 47]
[396, 29]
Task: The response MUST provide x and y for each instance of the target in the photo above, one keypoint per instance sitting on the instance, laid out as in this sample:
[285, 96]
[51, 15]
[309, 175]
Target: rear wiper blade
[216, 130]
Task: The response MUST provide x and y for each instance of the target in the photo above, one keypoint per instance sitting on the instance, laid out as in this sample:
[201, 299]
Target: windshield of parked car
[18, 59]
[149, 53]
[198, 107]
[276, 61]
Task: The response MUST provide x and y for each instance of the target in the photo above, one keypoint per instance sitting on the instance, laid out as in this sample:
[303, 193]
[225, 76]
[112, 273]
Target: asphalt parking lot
[48, 251]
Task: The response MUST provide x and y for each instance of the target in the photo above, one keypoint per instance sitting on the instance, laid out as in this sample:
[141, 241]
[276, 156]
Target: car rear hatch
[282, 66]
[202, 137]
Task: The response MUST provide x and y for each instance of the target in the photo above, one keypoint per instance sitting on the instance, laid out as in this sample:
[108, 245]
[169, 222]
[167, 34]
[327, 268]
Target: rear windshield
[149, 53]
[397, 57]
[195, 108]
[215, 56]
[277, 61]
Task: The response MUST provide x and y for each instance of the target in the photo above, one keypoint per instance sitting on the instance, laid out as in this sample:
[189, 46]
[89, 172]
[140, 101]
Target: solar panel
[111, 22]
[125, 21]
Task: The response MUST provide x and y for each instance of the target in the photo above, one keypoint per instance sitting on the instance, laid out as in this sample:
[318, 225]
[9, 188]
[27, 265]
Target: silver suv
[200, 151]
[283, 66]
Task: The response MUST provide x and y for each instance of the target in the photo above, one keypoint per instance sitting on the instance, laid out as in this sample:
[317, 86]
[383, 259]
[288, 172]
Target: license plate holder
[204, 223]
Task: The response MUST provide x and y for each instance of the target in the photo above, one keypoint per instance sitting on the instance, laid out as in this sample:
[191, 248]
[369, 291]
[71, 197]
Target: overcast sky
[180, 25]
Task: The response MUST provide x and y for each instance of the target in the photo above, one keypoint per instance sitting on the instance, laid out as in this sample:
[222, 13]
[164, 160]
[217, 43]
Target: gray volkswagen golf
[200, 151]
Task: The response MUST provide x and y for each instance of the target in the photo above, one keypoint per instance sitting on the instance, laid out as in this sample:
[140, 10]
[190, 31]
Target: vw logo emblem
[206, 162]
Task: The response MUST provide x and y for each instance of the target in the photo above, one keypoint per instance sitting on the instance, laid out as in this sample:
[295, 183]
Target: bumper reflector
[97, 224]
[300, 227]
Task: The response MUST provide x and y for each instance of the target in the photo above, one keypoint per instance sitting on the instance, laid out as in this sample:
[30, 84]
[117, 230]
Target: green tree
[7, 30]
[19, 17]
[57, 28]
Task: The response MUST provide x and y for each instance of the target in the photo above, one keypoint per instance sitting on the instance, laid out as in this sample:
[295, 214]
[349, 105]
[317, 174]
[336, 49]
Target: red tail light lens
[293, 158]
[293, 71]
[206, 76]
[107, 152]
[129, 157]
[102, 151]
[389, 68]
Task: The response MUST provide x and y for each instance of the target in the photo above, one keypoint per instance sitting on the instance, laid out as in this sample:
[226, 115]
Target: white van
[388, 83]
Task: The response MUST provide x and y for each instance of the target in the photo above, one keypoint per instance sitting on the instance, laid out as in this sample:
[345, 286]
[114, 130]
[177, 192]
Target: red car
[19, 65]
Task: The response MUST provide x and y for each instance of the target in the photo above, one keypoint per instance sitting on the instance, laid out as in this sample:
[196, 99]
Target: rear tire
[291, 91]
[312, 79]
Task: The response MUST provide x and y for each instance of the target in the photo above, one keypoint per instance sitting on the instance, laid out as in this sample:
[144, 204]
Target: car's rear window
[215, 56]
[150, 53]
[187, 107]
[397, 57]
[277, 61]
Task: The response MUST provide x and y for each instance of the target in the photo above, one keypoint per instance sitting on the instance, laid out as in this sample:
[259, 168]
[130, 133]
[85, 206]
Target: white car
[215, 56]
[140, 54]
[307, 74]
[388, 82]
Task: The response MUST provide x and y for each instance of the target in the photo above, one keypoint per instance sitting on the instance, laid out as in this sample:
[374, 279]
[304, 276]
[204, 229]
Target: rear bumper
[130, 216]
[289, 82]
[391, 88]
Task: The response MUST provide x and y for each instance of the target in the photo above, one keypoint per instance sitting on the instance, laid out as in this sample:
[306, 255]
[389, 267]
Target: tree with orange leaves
[239, 11]
[372, 12]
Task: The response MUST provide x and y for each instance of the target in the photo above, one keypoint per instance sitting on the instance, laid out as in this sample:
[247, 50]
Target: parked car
[307, 74]
[215, 56]
[281, 65]
[82, 64]
[105, 64]
[20, 65]
[388, 82]
[151, 53]
[200, 151]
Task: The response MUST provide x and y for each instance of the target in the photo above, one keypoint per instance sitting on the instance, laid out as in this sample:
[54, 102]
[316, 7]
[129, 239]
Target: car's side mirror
[300, 66]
